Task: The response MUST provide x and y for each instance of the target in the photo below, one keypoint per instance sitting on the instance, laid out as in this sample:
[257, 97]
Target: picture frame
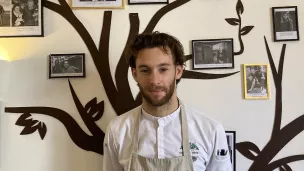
[231, 141]
[256, 81]
[96, 4]
[143, 2]
[25, 23]
[67, 65]
[285, 23]
[212, 54]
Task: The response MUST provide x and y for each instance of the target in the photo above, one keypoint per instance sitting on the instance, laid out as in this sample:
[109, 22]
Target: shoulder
[201, 120]
[123, 123]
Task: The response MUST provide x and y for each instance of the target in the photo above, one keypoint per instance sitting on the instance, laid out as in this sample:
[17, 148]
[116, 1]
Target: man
[30, 14]
[163, 133]
[1, 15]
[67, 68]
[222, 55]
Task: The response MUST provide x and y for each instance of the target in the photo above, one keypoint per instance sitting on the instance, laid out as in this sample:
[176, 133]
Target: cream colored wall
[24, 80]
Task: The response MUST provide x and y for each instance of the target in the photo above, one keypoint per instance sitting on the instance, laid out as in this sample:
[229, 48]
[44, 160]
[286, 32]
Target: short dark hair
[157, 39]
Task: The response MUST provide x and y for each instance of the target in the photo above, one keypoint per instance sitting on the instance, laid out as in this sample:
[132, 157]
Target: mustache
[153, 88]
[156, 88]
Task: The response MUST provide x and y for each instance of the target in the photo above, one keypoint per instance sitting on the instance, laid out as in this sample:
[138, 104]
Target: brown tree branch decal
[280, 137]
[119, 95]
[238, 22]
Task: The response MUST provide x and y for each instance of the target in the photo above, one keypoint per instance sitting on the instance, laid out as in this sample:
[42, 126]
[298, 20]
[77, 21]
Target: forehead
[154, 56]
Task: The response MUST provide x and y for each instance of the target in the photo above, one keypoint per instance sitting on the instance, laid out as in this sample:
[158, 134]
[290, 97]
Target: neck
[161, 111]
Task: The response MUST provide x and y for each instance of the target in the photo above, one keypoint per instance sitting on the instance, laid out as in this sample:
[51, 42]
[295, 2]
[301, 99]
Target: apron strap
[185, 136]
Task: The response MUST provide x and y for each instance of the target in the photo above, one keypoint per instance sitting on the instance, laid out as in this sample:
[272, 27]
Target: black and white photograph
[95, 4]
[285, 23]
[256, 81]
[24, 18]
[231, 139]
[5, 13]
[66, 65]
[212, 54]
[138, 2]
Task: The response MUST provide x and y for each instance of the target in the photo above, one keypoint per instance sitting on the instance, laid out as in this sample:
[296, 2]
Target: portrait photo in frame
[96, 4]
[142, 2]
[66, 65]
[256, 81]
[285, 23]
[212, 54]
[231, 141]
[21, 18]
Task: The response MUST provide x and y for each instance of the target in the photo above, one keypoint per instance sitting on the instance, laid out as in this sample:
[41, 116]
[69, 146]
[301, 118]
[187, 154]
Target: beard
[157, 102]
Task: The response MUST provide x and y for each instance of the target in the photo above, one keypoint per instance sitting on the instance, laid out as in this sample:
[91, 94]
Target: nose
[154, 78]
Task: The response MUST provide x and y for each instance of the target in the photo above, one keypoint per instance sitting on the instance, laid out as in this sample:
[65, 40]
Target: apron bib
[182, 163]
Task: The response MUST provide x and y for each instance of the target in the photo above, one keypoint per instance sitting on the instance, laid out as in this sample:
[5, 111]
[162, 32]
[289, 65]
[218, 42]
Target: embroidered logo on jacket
[194, 150]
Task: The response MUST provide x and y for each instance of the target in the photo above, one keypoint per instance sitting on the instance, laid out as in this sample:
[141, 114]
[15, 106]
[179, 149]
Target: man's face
[30, 3]
[156, 75]
[66, 64]
[285, 16]
[221, 48]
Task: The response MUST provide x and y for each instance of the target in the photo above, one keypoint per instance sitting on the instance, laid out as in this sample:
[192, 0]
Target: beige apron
[182, 163]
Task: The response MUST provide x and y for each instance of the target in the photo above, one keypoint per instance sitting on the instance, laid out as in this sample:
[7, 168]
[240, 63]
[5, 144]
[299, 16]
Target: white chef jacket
[160, 137]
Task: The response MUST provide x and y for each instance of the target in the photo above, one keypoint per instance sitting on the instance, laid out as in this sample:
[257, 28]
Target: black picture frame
[231, 141]
[206, 54]
[76, 63]
[144, 2]
[29, 27]
[285, 29]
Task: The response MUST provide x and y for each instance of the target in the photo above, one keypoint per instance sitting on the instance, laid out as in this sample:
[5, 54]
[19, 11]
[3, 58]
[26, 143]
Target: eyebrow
[160, 65]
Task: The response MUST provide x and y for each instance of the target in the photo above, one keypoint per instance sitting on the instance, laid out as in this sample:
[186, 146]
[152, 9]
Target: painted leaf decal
[29, 129]
[245, 149]
[233, 21]
[90, 104]
[23, 121]
[239, 7]
[42, 130]
[285, 167]
[94, 109]
[245, 30]
[99, 110]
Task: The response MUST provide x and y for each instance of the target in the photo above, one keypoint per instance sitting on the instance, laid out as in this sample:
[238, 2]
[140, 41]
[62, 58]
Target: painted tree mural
[122, 100]
[262, 159]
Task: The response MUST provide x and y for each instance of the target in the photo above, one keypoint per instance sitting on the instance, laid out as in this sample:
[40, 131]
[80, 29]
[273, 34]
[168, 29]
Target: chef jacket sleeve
[220, 157]
[110, 157]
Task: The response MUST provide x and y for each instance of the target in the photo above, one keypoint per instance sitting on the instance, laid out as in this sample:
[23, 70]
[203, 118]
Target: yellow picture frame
[95, 4]
[256, 81]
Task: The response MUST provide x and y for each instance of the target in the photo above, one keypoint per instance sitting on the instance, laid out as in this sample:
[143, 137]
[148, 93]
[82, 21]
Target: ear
[179, 71]
[134, 74]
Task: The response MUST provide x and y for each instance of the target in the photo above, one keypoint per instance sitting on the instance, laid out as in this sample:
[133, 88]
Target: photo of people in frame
[256, 81]
[5, 13]
[285, 23]
[67, 65]
[25, 13]
[216, 53]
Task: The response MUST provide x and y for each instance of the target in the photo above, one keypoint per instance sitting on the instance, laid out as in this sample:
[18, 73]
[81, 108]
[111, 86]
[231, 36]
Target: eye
[143, 70]
[163, 69]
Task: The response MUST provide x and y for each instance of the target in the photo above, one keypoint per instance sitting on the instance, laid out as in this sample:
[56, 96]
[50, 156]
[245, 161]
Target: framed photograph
[285, 23]
[212, 54]
[21, 18]
[138, 2]
[230, 135]
[66, 65]
[106, 4]
[256, 81]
